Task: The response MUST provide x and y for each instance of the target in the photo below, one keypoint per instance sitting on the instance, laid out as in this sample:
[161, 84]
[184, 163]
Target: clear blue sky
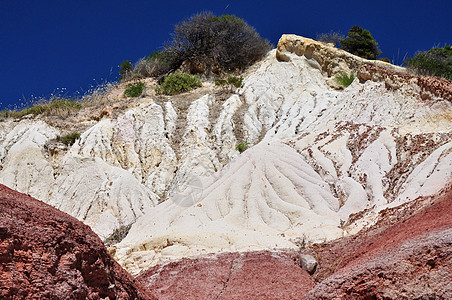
[50, 45]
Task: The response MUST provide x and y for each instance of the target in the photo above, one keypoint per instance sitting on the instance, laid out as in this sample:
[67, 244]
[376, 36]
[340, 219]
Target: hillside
[321, 163]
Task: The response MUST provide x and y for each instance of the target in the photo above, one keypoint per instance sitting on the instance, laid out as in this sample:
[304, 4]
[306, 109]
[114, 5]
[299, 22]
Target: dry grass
[56, 106]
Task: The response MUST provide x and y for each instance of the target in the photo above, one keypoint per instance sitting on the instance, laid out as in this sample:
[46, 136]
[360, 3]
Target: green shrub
[203, 43]
[156, 64]
[221, 82]
[236, 81]
[209, 42]
[69, 139]
[178, 83]
[344, 79]
[242, 146]
[233, 80]
[134, 89]
[360, 42]
[57, 103]
[434, 62]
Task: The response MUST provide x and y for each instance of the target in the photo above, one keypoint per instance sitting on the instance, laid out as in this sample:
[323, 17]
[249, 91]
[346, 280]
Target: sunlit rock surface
[322, 161]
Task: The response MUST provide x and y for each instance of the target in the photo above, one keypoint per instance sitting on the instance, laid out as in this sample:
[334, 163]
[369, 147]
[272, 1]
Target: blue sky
[49, 46]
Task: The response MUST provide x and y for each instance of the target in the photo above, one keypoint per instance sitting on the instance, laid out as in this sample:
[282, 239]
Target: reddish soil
[47, 254]
[440, 87]
[252, 275]
[406, 255]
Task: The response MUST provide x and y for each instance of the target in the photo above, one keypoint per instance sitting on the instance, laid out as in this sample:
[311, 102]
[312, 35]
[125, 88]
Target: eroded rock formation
[406, 255]
[47, 254]
[252, 275]
[322, 161]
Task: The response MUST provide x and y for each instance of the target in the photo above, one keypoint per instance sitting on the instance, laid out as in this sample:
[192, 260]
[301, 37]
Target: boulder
[308, 263]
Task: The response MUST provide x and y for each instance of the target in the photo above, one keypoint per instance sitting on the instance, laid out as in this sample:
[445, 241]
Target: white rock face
[334, 153]
[112, 196]
[316, 155]
[24, 165]
[268, 197]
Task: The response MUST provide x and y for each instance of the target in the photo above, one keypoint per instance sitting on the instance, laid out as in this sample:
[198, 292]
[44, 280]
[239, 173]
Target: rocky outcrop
[252, 275]
[326, 57]
[317, 155]
[331, 61]
[429, 87]
[406, 255]
[320, 155]
[47, 254]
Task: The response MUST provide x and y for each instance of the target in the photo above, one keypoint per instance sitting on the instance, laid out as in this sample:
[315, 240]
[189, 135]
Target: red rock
[440, 87]
[252, 275]
[47, 254]
[407, 255]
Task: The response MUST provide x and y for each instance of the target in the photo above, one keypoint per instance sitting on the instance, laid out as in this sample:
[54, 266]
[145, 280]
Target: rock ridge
[45, 253]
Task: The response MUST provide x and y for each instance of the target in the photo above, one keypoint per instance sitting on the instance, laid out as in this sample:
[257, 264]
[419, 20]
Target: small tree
[360, 42]
[125, 69]
[207, 42]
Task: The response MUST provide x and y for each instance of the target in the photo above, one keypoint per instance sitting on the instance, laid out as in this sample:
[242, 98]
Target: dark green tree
[360, 42]
[125, 68]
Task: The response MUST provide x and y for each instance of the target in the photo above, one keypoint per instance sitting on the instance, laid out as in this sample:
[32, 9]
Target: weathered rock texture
[47, 254]
[326, 57]
[317, 155]
[406, 255]
[252, 275]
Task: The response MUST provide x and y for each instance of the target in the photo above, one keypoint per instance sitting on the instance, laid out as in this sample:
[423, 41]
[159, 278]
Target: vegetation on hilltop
[332, 37]
[204, 43]
[434, 62]
[125, 69]
[360, 42]
[54, 106]
[219, 46]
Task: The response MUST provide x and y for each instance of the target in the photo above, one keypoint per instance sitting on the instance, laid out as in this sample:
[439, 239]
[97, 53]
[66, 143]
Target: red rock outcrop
[251, 275]
[429, 86]
[47, 254]
[406, 255]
